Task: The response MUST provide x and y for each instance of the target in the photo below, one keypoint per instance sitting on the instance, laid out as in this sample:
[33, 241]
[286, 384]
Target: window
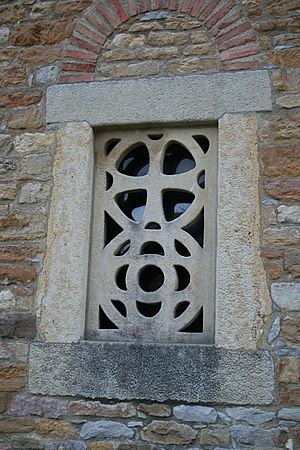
[154, 236]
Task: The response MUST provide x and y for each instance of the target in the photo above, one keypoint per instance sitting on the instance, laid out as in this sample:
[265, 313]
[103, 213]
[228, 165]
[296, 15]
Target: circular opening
[151, 278]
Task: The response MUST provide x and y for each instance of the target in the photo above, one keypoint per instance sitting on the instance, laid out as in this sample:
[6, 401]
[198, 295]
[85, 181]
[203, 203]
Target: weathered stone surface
[260, 438]
[283, 187]
[285, 128]
[286, 235]
[155, 409]
[290, 395]
[55, 429]
[251, 415]
[27, 118]
[203, 373]
[10, 76]
[160, 38]
[67, 445]
[37, 164]
[134, 446]
[195, 414]
[6, 144]
[34, 192]
[122, 70]
[18, 425]
[4, 35]
[290, 328]
[20, 325]
[68, 235]
[286, 295]
[24, 405]
[242, 295]
[289, 414]
[215, 437]
[287, 57]
[101, 445]
[5, 351]
[84, 408]
[7, 299]
[171, 432]
[34, 142]
[159, 100]
[288, 370]
[40, 55]
[105, 429]
[39, 33]
[7, 192]
[48, 74]
[274, 330]
[23, 442]
[283, 160]
[191, 65]
[4, 402]
[289, 101]
[288, 214]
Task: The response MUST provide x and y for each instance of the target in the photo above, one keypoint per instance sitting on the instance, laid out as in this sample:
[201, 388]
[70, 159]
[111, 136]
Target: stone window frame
[229, 99]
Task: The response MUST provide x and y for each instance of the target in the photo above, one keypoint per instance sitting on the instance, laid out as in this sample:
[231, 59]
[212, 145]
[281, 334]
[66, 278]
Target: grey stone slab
[251, 415]
[159, 100]
[195, 413]
[152, 371]
[105, 429]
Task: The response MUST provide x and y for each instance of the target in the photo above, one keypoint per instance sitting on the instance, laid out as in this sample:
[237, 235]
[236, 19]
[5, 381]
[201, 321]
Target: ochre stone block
[56, 429]
[283, 188]
[281, 160]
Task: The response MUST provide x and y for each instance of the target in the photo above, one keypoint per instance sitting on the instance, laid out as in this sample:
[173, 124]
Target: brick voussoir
[108, 13]
[96, 37]
[143, 6]
[215, 18]
[197, 4]
[78, 67]
[155, 5]
[173, 5]
[205, 12]
[240, 65]
[132, 7]
[236, 42]
[245, 26]
[185, 6]
[122, 14]
[76, 77]
[241, 53]
[99, 23]
[83, 44]
[87, 57]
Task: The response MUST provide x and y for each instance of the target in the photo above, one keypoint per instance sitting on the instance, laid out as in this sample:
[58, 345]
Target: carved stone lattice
[152, 272]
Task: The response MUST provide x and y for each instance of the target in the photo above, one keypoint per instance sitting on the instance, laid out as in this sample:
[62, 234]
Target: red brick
[244, 39]
[234, 32]
[99, 23]
[220, 14]
[284, 188]
[96, 37]
[221, 26]
[283, 160]
[185, 6]
[196, 5]
[173, 5]
[132, 7]
[143, 6]
[164, 4]
[82, 56]
[155, 4]
[119, 10]
[236, 54]
[41, 33]
[240, 65]
[85, 44]
[109, 15]
[23, 274]
[13, 99]
[205, 12]
[12, 75]
[76, 78]
[78, 67]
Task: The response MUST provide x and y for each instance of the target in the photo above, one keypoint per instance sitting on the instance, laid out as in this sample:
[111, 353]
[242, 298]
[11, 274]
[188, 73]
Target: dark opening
[148, 309]
[136, 162]
[180, 308]
[181, 249]
[121, 278]
[155, 137]
[110, 145]
[151, 278]
[122, 249]
[120, 307]
[203, 142]
[183, 278]
[152, 248]
[177, 159]
[109, 180]
[196, 324]
[132, 204]
[112, 228]
[176, 202]
[196, 228]
[201, 179]
[152, 226]
[104, 321]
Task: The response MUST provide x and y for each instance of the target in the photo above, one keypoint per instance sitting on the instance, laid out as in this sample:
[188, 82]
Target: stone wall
[43, 42]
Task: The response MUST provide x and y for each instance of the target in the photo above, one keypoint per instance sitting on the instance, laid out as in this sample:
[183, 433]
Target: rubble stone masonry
[46, 42]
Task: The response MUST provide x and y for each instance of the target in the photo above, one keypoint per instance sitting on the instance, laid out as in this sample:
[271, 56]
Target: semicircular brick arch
[231, 32]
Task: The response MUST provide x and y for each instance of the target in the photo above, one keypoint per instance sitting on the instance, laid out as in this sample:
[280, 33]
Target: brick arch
[223, 19]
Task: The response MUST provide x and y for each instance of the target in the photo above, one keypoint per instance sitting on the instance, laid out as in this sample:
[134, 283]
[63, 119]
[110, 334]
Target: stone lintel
[154, 372]
[184, 99]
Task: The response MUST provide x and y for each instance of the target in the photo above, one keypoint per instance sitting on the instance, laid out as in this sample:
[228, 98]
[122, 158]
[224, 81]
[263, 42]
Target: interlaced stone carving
[153, 240]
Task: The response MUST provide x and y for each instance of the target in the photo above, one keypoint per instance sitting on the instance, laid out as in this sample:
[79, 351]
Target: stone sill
[128, 371]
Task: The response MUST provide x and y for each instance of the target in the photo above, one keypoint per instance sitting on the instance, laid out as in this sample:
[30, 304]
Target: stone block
[159, 100]
[171, 432]
[252, 416]
[55, 429]
[288, 214]
[25, 119]
[195, 413]
[155, 409]
[290, 328]
[215, 437]
[288, 370]
[16, 425]
[26, 405]
[283, 188]
[48, 74]
[85, 408]
[34, 142]
[289, 414]
[289, 101]
[7, 192]
[105, 429]
[281, 160]
[34, 192]
[37, 164]
[274, 330]
[128, 371]
[245, 435]
[286, 295]
[290, 394]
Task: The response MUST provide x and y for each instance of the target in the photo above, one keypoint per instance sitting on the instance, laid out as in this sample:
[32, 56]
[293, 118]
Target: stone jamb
[241, 304]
